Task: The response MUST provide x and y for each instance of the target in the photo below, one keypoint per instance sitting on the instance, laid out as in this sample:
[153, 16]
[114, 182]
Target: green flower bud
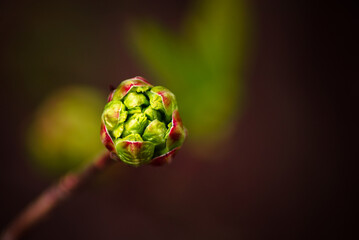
[135, 152]
[162, 99]
[133, 138]
[135, 124]
[155, 132]
[135, 110]
[141, 123]
[133, 100]
[114, 114]
[152, 114]
[116, 133]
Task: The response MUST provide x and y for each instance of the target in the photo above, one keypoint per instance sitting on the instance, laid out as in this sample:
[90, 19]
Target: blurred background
[262, 87]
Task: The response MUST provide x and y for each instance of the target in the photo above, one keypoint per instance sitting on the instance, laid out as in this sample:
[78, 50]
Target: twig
[51, 197]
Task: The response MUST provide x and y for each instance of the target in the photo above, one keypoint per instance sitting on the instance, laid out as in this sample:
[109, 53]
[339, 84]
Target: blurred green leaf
[64, 134]
[202, 64]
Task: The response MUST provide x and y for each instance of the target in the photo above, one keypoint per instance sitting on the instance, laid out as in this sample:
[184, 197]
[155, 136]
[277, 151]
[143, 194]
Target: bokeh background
[263, 89]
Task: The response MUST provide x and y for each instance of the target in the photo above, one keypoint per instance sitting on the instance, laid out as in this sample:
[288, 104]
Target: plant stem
[52, 196]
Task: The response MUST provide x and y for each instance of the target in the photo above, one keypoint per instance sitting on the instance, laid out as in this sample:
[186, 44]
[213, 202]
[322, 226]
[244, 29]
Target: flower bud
[135, 124]
[155, 132]
[152, 114]
[141, 123]
[133, 100]
[163, 100]
[114, 114]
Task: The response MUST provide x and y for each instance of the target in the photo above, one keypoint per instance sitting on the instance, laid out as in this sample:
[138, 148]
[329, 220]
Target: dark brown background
[282, 176]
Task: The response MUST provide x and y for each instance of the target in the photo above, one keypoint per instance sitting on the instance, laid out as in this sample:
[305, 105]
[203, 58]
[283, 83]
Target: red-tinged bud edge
[110, 96]
[127, 85]
[165, 158]
[142, 79]
[168, 100]
[177, 133]
[106, 138]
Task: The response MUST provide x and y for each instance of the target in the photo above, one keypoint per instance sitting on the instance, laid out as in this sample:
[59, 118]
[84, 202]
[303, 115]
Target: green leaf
[202, 64]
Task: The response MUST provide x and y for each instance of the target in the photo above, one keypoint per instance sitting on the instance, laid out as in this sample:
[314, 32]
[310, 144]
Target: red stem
[51, 197]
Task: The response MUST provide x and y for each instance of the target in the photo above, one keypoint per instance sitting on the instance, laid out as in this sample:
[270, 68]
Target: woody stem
[52, 197]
